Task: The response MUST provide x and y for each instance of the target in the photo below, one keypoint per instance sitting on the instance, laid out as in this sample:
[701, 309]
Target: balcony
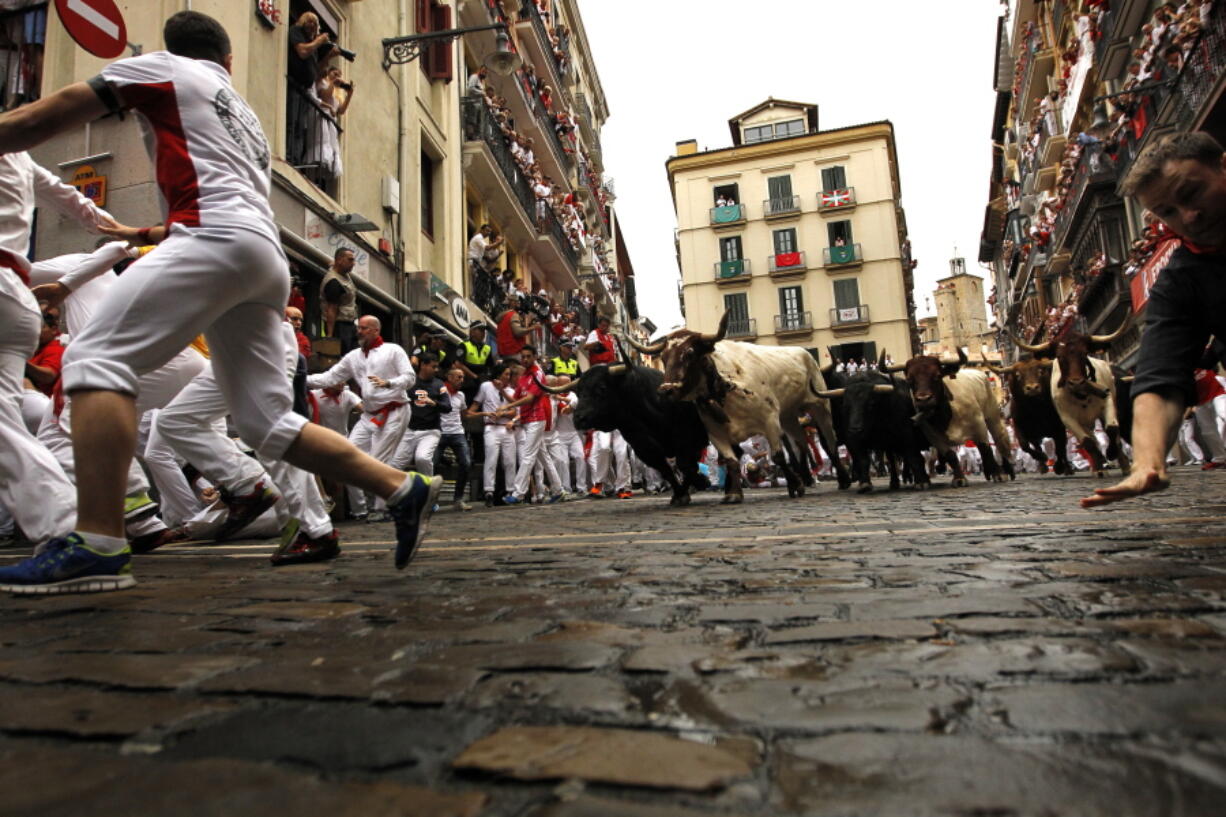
[732, 272]
[533, 35]
[828, 201]
[1095, 168]
[1205, 64]
[312, 139]
[555, 231]
[480, 126]
[587, 124]
[729, 215]
[846, 256]
[742, 328]
[785, 264]
[786, 207]
[794, 323]
[849, 318]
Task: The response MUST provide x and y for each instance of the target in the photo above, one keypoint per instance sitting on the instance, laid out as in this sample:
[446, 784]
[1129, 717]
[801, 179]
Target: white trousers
[567, 447]
[33, 404]
[416, 450]
[499, 443]
[605, 443]
[532, 443]
[1207, 421]
[33, 486]
[379, 437]
[1189, 443]
[302, 496]
[229, 283]
[179, 502]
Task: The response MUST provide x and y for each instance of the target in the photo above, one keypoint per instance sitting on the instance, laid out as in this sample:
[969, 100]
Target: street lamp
[400, 50]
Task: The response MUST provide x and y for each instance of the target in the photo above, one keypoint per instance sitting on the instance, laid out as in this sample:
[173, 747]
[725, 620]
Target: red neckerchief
[10, 261]
[447, 386]
[374, 344]
[334, 398]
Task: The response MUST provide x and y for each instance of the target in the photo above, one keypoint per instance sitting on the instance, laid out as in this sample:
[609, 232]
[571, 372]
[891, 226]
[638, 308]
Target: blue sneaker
[511, 499]
[554, 497]
[68, 566]
[411, 515]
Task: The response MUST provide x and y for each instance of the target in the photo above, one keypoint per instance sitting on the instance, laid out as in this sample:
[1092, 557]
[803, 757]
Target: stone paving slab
[993, 650]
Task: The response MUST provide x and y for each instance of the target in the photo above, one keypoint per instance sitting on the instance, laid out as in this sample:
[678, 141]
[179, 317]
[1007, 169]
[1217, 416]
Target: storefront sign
[459, 311]
[327, 239]
[90, 184]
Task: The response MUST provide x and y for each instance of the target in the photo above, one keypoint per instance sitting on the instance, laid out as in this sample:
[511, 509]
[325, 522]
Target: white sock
[150, 524]
[107, 545]
[401, 492]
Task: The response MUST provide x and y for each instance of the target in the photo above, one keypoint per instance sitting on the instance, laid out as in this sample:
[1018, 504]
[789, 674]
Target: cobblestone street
[988, 651]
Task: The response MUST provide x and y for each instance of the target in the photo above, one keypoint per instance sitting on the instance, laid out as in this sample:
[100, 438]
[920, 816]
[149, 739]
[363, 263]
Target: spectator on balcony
[543, 192]
[493, 251]
[839, 241]
[308, 46]
[547, 97]
[333, 94]
[476, 82]
[1181, 180]
[477, 246]
[531, 80]
[1173, 57]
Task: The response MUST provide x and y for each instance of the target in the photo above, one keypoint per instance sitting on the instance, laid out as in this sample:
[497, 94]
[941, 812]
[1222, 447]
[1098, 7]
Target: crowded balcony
[480, 126]
[728, 215]
[784, 207]
[734, 271]
[847, 255]
[829, 201]
[849, 316]
[534, 34]
[742, 328]
[794, 323]
[783, 264]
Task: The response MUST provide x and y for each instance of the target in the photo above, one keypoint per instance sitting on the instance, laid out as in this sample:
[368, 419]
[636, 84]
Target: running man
[220, 271]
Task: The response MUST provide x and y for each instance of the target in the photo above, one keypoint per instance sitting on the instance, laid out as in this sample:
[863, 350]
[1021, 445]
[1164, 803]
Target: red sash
[380, 417]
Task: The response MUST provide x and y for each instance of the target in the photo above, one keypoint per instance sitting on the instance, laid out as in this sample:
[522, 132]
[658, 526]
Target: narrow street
[993, 650]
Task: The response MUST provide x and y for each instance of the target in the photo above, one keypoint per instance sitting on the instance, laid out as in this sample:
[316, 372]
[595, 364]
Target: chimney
[687, 147]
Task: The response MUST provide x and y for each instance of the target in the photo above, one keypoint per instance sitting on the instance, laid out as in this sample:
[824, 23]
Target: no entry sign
[96, 25]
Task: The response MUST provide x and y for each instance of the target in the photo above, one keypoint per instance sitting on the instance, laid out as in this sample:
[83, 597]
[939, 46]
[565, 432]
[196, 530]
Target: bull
[625, 397]
[739, 390]
[953, 406]
[872, 412]
[1034, 414]
[1083, 391]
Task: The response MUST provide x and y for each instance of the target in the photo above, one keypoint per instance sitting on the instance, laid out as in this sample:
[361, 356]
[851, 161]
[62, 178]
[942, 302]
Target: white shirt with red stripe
[210, 155]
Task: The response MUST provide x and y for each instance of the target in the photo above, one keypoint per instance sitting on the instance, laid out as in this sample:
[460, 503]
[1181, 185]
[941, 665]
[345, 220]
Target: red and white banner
[1145, 278]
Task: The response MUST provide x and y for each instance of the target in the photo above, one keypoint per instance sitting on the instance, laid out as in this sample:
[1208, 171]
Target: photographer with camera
[309, 47]
[515, 324]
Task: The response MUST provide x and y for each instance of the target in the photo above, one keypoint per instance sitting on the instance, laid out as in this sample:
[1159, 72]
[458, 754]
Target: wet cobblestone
[990, 651]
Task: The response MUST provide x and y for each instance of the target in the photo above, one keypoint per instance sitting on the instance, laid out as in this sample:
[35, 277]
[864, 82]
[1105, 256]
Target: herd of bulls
[725, 391]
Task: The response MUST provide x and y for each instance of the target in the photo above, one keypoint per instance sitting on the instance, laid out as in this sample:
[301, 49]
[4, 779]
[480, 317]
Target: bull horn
[1103, 340]
[653, 349]
[983, 353]
[881, 361]
[881, 388]
[830, 394]
[617, 368]
[897, 367]
[1033, 348]
[622, 351]
[1128, 378]
[719, 333]
[961, 359]
[559, 389]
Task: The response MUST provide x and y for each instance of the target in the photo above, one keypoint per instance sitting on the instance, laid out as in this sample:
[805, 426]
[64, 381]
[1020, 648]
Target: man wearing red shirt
[44, 368]
[294, 315]
[599, 344]
[536, 418]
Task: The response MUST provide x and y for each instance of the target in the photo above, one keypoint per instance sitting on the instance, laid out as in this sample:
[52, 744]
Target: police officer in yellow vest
[565, 363]
[475, 357]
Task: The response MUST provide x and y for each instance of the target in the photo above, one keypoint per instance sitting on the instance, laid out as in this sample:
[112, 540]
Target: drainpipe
[402, 125]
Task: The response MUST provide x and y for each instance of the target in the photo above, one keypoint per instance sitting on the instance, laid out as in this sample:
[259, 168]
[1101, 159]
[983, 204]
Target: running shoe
[412, 515]
[554, 497]
[625, 494]
[461, 505]
[152, 541]
[305, 549]
[597, 491]
[138, 507]
[68, 565]
[511, 499]
[245, 509]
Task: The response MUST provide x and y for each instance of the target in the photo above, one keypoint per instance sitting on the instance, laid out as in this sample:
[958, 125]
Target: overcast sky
[678, 69]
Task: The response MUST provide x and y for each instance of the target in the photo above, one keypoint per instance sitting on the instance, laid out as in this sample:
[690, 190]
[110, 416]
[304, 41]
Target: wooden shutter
[785, 241]
[846, 293]
[834, 178]
[737, 307]
[779, 188]
[421, 16]
[440, 56]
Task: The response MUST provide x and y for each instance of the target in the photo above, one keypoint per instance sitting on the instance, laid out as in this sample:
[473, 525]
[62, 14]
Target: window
[779, 190]
[728, 192]
[429, 16]
[427, 194]
[784, 240]
[793, 127]
[737, 307]
[791, 305]
[730, 248]
[22, 35]
[846, 293]
[839, 233]
[779, 130]
[834, 178]
[760, 133]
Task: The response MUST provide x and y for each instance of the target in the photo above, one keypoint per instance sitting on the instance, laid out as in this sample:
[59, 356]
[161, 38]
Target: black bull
[627, 399]
[872, 412]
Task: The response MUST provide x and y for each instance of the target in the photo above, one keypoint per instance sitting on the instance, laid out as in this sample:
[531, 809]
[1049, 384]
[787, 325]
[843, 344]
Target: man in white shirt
[334, 406]
[566, 443]
[477, 245]
[383, 372]
[499, 441]
[220, 270]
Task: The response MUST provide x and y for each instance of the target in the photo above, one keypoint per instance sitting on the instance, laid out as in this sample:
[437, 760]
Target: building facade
[1082, 88]
[798, 234]
[400, 176]
[962, 317]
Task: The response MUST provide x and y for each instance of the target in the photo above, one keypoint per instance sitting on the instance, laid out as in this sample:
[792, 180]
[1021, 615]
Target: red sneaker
[624, 494]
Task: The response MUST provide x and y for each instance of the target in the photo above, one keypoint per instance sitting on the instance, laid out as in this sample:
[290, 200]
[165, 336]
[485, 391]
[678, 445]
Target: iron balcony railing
[1205, 63]
[742, 328]
[312, 137]
[781, 206]
[849, 314]
[728, 214]
[736, 268]
[1094, 166]
[555, 229]
[794, 322]
[480, 126]
[836, 199]
[787, 261]
[530, 11]
[841, 256]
